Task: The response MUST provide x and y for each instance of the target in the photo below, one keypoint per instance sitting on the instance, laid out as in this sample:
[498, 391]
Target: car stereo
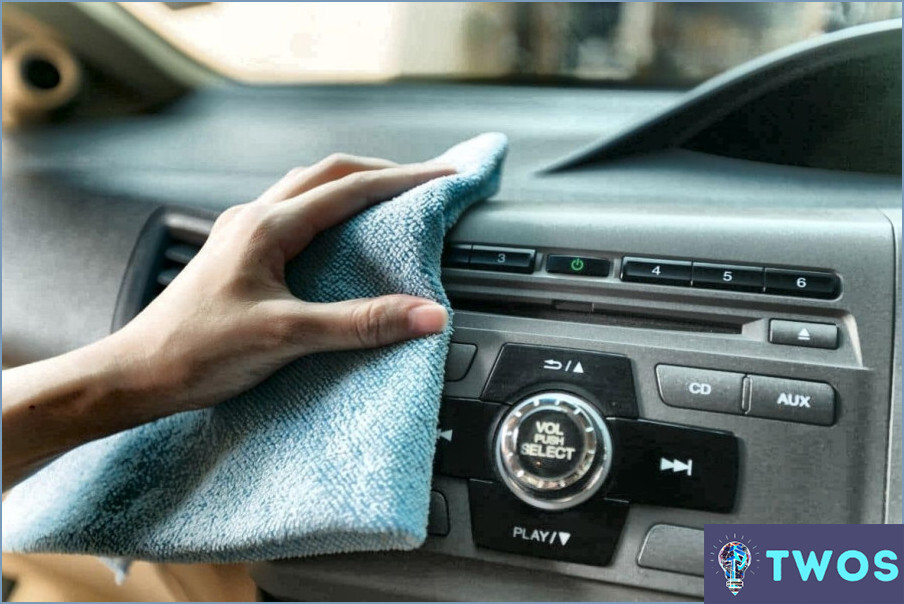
[596, 415]
[617, 380]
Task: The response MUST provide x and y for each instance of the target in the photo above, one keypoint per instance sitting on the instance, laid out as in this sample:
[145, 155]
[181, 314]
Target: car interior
[695, 253]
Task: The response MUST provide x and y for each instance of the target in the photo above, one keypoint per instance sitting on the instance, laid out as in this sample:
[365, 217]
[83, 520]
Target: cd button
[438, 518]
[702, 389]
[459, 360]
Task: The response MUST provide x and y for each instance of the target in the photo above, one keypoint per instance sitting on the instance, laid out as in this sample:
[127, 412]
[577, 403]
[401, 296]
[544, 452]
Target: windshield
[644, 44]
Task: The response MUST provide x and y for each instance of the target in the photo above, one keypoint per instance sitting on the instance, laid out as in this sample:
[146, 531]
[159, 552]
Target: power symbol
[577, 265]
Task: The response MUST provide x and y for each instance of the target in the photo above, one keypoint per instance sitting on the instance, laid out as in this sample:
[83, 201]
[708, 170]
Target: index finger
[302, 217]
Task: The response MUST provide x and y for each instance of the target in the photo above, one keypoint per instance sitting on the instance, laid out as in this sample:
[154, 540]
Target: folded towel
[331, 454]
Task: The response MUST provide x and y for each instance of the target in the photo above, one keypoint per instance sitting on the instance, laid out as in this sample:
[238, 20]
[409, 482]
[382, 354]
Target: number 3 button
[507, 259]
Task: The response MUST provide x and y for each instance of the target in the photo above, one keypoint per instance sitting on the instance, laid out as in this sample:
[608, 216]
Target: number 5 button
[723, 276]
[663, 272]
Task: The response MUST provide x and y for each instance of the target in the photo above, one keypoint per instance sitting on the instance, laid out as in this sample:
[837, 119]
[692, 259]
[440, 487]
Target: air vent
[176, 255]
[168, 242]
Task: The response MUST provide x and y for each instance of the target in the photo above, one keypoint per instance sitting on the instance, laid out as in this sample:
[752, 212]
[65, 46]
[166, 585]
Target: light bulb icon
[734, 558]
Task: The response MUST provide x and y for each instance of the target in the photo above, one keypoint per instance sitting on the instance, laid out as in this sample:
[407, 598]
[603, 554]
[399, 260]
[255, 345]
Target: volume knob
[553, 450]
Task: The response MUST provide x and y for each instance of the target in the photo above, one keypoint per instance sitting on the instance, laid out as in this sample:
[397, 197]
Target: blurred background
[99, 59]
[655, 43]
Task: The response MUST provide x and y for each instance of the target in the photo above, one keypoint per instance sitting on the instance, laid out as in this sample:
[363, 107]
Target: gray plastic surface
[65, 252]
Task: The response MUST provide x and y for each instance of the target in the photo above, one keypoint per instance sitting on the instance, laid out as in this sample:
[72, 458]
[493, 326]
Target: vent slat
[181, 252]
[166, 276]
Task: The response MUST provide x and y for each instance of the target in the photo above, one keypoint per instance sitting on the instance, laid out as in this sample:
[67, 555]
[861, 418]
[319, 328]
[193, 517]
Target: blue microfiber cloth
[331, 454]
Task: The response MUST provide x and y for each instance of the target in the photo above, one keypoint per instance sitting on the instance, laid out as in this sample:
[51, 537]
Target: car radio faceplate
[717, 408]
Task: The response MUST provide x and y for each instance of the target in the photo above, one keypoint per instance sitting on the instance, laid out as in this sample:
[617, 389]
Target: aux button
[553, 450]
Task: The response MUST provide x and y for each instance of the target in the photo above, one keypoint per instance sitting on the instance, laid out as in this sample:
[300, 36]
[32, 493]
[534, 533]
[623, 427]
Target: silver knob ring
[572, 487]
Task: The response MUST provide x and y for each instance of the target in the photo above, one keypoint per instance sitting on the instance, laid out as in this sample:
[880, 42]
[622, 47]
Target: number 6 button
[811, 284]
[663, 272]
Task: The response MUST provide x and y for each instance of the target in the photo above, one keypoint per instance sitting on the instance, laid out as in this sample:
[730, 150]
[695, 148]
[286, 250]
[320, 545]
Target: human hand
[228, 320]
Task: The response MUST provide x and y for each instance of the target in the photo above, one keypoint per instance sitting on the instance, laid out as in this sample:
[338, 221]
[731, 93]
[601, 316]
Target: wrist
[55, 405]
[135, 389]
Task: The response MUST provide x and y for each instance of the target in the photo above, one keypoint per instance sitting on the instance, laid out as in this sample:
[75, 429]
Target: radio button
[458, 360]
[674, 466]
[438, 517]
[506, 259]
[677, 549]
[810, 284]
[791, 400]
[457, 255]
[464, 437]
[577, 265]
[587, 534]
[662, 272]
[703, 389]
[723, 276]
[606, 379]
[810, 335]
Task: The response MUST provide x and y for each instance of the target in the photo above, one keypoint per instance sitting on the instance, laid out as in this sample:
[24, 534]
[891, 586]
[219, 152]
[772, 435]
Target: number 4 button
[663, 272]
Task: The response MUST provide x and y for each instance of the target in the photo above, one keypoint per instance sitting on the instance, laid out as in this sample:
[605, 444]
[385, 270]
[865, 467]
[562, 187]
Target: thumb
[371, 322]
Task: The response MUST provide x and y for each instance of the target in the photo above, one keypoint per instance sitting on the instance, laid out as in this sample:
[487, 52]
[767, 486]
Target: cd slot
[575, 313]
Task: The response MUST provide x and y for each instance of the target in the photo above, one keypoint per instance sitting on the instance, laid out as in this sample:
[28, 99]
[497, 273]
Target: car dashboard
[644, 343]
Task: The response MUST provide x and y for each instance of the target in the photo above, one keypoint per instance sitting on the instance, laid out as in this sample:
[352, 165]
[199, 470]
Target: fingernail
[427, 318]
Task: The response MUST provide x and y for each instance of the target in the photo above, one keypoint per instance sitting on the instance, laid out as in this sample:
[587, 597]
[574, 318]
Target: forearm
[56, 405]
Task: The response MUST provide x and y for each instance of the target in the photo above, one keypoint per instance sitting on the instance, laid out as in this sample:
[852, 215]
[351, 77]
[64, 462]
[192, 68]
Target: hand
[223, 325]
[228, 320]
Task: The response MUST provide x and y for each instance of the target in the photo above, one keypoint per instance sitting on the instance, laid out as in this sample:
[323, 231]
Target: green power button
[577, 265]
